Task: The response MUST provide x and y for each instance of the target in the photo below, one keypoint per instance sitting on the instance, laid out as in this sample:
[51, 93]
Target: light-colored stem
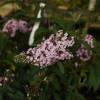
[92, 4]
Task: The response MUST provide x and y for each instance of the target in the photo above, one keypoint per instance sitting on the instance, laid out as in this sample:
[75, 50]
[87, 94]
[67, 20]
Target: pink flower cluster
[89, 39]
[11, 26]
[83, 53]
[50, 50]
[55, 48]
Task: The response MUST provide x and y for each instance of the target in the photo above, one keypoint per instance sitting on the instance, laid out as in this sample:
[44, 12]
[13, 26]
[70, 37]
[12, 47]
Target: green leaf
[61, 67]
[74, 95]
[57, 96]
[43, 96]
[1, 97]
[56, 84]
[3, 42]
[94, 76]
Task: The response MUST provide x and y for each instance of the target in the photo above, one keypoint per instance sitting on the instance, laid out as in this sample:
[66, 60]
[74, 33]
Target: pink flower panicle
[50, 51]
[89, 40]
[23, 26]
[55, 48]
[83, 53]
[11, 26]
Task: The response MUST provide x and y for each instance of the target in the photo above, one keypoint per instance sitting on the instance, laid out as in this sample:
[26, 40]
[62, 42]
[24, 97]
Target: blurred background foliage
[63, 82]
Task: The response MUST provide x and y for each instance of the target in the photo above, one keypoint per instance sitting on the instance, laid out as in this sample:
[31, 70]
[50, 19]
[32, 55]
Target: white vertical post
[36, 25]
[92, 4]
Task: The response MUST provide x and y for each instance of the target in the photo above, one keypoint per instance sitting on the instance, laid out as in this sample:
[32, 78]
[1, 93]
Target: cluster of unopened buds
[6, 78]
[53, 49]
[3, 80]
[12, 26]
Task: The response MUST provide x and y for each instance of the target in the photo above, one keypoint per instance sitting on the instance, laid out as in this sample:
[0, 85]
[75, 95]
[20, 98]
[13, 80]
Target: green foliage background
[62, 81]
